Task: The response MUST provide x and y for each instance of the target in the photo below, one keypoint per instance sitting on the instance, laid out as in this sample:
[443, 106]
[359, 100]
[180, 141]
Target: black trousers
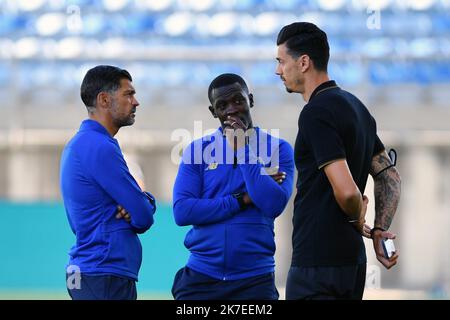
[191, 285]
[105, 287]
[326, 283]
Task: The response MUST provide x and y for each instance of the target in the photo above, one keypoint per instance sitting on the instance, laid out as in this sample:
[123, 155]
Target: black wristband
[375, 229]
[393, 156]
[240, 198]
[381, 171]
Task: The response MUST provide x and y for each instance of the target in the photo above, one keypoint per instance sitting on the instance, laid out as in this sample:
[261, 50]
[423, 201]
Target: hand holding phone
[388, 248]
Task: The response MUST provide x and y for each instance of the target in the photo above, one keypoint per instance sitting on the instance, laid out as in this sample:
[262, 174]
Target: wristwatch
[240, 198]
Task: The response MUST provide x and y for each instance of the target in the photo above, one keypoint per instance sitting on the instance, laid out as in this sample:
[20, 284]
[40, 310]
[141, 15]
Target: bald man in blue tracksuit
[231, 196]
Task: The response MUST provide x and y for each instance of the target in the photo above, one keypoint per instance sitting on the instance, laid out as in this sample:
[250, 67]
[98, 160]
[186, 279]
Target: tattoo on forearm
[379, 162]
[387, 191]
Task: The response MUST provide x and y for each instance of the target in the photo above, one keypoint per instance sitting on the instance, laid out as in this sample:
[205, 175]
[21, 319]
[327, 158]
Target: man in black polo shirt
[336, 148]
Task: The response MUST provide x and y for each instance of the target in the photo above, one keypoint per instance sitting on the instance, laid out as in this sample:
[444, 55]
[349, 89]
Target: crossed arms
[265, 192]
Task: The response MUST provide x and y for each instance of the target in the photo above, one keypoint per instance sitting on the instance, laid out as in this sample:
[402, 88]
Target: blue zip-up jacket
[95, 179]
[225, 242]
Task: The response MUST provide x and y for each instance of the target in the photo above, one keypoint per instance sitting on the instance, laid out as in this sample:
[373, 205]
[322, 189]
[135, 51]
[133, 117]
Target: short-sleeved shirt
[333, 125]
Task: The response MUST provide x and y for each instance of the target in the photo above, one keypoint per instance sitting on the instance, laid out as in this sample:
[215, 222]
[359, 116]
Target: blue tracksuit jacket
[225, 242]
[94, 179]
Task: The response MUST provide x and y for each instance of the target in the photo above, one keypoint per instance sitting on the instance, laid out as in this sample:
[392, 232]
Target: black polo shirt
[333, 125]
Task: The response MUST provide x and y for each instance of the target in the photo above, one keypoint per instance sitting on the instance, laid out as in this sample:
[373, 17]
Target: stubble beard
[121, 121]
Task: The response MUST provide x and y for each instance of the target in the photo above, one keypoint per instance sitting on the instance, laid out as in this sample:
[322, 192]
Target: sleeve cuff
[329, 160]
[234, 204]
[150, 198]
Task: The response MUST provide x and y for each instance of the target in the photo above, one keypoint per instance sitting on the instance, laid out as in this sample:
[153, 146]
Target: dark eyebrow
[218, 101]
[130, 91]
[227, 96]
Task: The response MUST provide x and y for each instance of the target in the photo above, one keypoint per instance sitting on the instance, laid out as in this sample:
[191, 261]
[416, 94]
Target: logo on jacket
[212, 166]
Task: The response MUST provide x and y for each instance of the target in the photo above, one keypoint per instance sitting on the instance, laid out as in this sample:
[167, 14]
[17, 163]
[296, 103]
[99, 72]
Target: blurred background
[394, 55]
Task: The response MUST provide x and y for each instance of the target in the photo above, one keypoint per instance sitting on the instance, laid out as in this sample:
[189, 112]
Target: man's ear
[103, 99]
[304, 62]
[212, 111]
[250, 98]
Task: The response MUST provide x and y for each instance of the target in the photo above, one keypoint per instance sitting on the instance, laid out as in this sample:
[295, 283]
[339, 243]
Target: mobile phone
[388, 247]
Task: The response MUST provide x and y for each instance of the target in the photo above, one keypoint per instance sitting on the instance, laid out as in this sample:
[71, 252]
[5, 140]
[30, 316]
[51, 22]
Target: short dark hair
[226, 79]
[101, 78]
[306, 38]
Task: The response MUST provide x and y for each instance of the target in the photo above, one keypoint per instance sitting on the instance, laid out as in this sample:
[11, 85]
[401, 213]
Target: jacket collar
[93, 125]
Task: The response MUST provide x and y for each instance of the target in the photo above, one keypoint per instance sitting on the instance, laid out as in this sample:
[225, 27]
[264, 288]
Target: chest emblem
[212, 166]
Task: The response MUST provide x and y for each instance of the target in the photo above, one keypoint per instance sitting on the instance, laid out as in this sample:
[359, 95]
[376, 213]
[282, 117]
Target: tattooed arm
[387, 188]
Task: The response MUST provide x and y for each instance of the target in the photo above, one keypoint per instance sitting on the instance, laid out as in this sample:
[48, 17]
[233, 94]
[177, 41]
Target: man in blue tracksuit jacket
[231, 190]
[105, 206]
